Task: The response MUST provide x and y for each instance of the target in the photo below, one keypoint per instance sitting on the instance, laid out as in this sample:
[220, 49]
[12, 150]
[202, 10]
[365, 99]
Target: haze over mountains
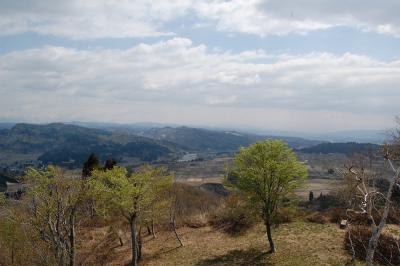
[361, 136]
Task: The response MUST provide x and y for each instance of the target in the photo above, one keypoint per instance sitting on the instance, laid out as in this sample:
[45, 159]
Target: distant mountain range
[67, 144]
[70, 145]
[360, 136]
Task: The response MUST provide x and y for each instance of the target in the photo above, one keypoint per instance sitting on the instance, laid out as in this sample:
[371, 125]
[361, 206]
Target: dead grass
[298, 243]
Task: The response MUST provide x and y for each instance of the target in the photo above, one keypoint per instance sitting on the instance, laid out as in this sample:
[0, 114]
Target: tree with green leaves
[267, 172]
[53, 199]
[130, 195]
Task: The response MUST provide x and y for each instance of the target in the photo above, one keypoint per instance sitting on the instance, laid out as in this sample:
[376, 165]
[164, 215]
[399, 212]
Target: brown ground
[298, 243]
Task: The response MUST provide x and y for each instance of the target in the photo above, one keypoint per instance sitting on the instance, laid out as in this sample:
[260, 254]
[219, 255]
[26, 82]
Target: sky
[293, 65]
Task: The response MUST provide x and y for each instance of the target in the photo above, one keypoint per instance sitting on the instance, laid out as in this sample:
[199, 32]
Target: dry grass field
[298, 243]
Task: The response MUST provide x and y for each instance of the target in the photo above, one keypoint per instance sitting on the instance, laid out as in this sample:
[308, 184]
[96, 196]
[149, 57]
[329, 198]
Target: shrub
[318, 218]
[327, 201]
[387, 251]
[362, 219]
[235, 218]
[193, 204]
[286, 215]
[336, 215]
[196, 221]
[394, 216]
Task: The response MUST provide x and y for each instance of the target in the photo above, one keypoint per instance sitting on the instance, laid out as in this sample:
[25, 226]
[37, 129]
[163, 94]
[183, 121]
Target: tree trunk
[61, 259]
[12, 253]
[152, 228]
[72, 239]
[140, 243]
[176, 233]
[132, 223]
[148, 230]
[269, 236]
[376, 230]
[372, 244]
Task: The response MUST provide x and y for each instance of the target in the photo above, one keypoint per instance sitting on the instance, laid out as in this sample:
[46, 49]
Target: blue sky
[302, 65]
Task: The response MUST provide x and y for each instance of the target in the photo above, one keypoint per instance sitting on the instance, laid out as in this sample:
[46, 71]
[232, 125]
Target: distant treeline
[344, 148]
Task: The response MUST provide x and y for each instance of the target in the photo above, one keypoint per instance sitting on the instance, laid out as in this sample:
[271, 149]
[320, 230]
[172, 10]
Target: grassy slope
[299, 243]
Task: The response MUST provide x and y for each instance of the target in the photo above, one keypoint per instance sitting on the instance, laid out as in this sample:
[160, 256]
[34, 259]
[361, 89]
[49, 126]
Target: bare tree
[176, 208]
[369, 197]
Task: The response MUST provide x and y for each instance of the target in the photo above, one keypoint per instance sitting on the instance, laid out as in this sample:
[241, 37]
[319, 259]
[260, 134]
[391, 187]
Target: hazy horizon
[252, 130]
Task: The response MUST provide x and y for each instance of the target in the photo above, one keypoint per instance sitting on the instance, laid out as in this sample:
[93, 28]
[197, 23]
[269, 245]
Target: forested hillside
[345, 148]
[200, 140]
[59, 143]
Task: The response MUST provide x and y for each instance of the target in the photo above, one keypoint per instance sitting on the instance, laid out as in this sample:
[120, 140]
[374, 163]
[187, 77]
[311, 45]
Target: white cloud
[176, 80]
[280, 17]
[90, 18]
[143, 18]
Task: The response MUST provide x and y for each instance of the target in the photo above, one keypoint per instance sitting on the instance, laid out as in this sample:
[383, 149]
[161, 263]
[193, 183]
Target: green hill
[59, 143]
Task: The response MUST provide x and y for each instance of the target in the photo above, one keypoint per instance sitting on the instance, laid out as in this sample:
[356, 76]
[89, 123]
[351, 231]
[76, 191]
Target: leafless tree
[369, 197]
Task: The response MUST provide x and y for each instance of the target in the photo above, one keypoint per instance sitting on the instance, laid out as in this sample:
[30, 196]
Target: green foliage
[132, 196]
[54, 199]
[267, 172]
[50, 188]
[129, 194]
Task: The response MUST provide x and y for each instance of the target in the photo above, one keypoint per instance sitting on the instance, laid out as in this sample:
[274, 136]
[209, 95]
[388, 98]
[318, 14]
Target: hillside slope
[299, 243]
[204, 140]
[344, 148]
[58, 143]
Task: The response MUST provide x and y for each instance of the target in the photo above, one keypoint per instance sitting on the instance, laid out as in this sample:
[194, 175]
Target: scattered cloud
[175, 79]
[92, 19]
[281, 17]
[89, 19]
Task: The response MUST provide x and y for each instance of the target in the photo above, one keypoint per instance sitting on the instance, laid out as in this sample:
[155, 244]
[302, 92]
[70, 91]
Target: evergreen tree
[110, 163]
[91, 164]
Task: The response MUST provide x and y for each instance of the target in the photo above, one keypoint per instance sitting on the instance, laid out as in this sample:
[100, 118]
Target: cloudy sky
[303, 65]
